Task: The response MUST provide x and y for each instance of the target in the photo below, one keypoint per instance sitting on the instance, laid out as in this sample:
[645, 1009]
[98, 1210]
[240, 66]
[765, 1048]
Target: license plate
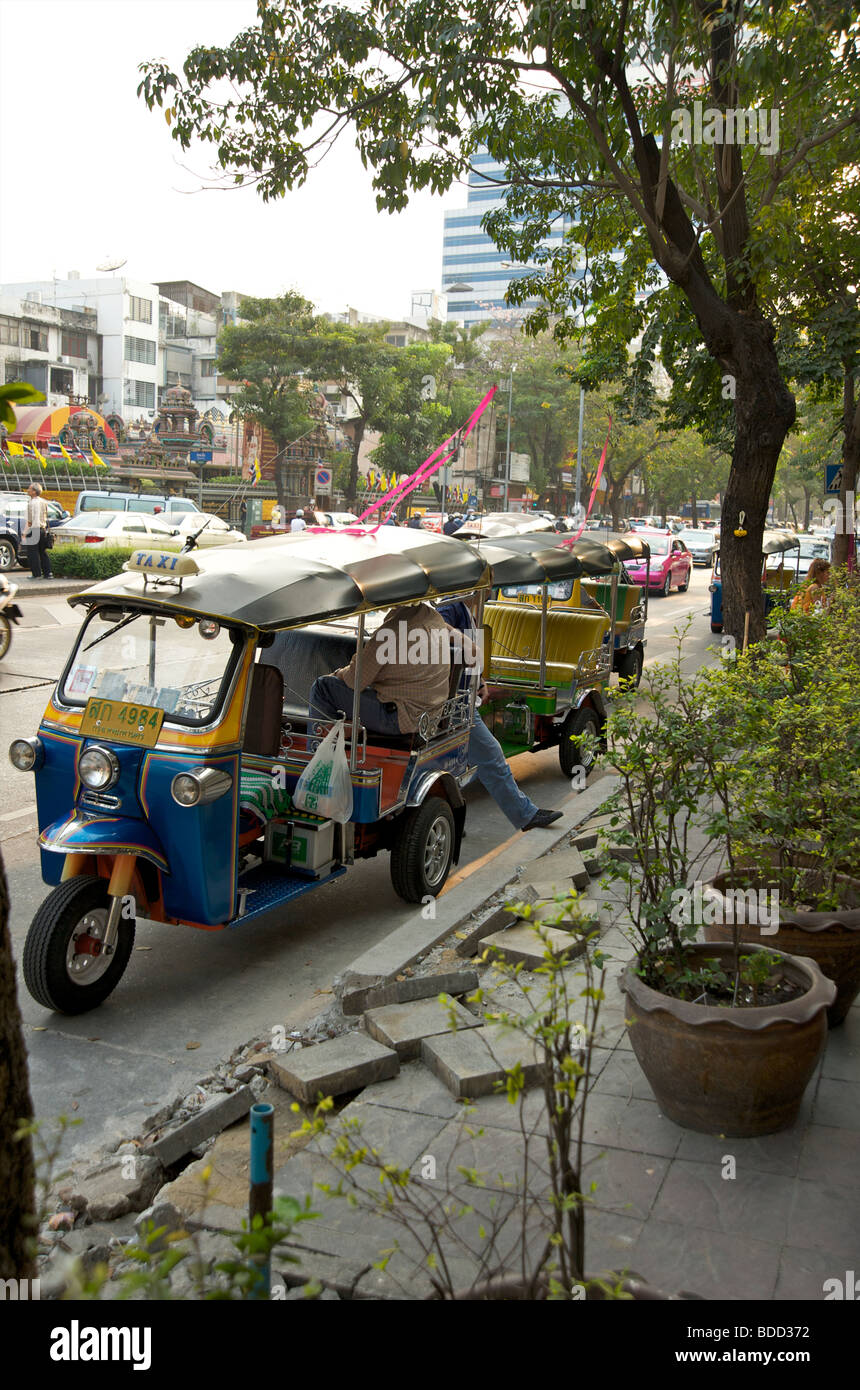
[125, 723]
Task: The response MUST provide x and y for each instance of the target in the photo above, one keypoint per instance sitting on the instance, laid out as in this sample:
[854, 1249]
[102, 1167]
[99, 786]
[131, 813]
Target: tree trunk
[280, 472]
[695, 508]
[358, 438]
[844, 547]
[764, 413]
[17, 1173]
[807, 505]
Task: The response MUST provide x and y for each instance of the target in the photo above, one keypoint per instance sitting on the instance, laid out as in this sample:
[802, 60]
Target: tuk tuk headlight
[27, 754]
[98, 768]
[199, 788]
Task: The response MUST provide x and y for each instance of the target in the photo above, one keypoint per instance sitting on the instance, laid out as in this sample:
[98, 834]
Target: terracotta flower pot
[738, 1072]
[831, 939]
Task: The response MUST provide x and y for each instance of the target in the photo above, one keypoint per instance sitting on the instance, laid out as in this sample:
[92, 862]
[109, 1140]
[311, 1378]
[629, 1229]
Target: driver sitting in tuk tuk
[405, 670]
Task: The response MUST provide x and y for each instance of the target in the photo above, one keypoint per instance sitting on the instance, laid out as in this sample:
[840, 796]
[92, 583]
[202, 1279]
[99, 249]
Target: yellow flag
[99, 462]
[14, 449]
[35, 449]
[66, 454]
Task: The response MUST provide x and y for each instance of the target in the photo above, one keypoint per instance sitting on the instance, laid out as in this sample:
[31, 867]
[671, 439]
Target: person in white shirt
[36, 534]
[298, 522]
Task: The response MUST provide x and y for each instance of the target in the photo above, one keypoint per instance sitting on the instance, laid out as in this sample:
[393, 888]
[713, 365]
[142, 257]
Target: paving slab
[551, 905]
[455, 982]
[402, 1026]
[217, 1115]
[415, 1089]
[470, 1063]
[585, 841]
[469, 940]
[559, 867]
[332, 1068]
[523, 945]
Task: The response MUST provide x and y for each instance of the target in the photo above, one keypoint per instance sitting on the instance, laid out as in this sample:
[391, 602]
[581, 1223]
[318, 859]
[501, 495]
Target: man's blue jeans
[496, 777]
[330, 696]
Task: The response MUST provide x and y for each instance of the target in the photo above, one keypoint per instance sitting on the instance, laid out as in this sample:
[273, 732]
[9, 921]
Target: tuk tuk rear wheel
[630, 665]
[578, 722]
[58, 976]
[5, 635]
[422, 853]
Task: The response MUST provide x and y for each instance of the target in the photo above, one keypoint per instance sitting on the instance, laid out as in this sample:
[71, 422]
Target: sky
[87, 172]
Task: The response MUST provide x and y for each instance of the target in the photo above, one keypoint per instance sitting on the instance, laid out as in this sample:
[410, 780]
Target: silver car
[700, 543]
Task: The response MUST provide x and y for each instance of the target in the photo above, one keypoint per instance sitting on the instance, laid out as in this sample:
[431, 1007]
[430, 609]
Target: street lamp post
[508, 445]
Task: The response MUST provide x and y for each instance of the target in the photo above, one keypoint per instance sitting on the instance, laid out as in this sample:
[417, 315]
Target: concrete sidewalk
[768, 1218]
[743, 1219]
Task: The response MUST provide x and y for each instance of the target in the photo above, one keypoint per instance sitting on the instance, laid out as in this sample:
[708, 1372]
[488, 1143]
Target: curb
[415, 935]
[35, 588]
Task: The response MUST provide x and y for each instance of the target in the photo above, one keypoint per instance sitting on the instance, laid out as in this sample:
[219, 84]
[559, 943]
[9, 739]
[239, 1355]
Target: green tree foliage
[270, 352]
[581, 105]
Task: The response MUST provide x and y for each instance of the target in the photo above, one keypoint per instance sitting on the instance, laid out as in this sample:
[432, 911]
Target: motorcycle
[9, 613]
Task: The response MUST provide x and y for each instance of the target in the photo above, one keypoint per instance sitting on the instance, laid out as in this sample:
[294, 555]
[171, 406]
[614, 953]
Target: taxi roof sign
[162, 566]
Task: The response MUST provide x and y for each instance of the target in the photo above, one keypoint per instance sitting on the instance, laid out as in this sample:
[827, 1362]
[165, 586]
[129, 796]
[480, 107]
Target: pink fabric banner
[594, 489]
[437, 460]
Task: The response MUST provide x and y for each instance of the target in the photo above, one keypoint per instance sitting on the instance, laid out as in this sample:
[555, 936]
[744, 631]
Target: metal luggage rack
[593, 664]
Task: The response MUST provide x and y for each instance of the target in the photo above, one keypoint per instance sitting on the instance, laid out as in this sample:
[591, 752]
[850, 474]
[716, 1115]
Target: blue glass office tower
[469, 257]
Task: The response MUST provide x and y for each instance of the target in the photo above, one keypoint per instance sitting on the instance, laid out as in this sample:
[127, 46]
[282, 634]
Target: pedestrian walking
[36, 537]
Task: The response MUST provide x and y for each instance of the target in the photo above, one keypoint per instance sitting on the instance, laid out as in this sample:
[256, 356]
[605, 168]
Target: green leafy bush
[84, 562]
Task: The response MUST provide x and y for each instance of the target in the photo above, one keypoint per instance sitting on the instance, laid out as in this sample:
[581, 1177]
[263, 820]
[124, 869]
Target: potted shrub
[727, 1035]
[794, 709]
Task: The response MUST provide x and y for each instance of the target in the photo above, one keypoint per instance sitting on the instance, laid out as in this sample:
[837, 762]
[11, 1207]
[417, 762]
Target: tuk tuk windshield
[558, 589]
[178, 664]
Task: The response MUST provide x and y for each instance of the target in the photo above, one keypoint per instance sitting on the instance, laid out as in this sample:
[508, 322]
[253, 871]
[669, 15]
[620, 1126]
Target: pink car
[671, 563]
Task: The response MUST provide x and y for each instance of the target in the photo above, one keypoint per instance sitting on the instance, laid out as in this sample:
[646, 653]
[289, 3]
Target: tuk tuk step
[265, 889]
[402, 1026]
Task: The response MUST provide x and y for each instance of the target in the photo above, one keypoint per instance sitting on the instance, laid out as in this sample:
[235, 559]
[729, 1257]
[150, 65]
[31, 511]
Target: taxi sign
[162, 564]
[122, 722]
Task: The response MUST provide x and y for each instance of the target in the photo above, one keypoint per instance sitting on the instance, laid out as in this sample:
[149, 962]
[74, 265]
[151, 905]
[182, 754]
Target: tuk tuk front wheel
[421, 855]
[5, 635]
[64, 969]
[570, 757]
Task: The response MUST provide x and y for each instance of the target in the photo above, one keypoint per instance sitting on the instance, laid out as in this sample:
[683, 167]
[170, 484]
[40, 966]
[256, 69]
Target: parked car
[671, 563]
[13, 523]
[105, 529]
[148, 503]
[702, 545]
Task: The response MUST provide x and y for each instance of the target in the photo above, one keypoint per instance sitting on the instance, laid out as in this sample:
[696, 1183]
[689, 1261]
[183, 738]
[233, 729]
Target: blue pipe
[260, 1192]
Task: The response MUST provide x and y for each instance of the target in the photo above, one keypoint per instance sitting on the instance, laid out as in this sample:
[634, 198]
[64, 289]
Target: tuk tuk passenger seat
[516, 630]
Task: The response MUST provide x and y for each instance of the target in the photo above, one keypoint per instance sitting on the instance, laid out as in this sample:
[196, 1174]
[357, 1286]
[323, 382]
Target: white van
[148, 502]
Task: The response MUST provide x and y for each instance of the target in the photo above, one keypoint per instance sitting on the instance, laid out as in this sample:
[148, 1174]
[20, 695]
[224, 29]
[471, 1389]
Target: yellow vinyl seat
[629, 595]
[516, 629]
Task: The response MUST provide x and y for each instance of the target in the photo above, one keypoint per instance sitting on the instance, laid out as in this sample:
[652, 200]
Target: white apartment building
[57, 350]
[127, 320]
[145, 337]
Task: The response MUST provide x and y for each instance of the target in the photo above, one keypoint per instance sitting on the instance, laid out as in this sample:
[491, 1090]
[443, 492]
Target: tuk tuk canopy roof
[630, 547]
[775, 541]
[527, 559]
[284, 581]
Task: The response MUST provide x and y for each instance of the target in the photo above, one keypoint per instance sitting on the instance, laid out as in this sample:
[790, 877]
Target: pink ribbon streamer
[428, 467]
[570, 542]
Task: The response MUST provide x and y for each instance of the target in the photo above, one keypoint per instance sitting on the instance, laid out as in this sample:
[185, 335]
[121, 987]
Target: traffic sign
[323, 480]
[832, 478]
[200, 455]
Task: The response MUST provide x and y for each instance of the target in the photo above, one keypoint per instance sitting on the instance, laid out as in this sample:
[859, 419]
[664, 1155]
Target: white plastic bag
[325, 786]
